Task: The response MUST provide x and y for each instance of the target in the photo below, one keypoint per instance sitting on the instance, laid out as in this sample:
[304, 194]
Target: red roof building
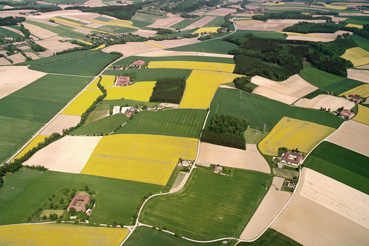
[138, 63]
[123, 81]
[355, 98]
[292, 158]
[79, 203]
[347, 114]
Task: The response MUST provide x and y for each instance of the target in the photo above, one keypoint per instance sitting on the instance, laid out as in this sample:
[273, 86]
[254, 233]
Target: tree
[72, 211]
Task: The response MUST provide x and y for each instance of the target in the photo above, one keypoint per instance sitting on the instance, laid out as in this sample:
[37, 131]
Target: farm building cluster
[290, 158]
[129, 111]
[139, 64]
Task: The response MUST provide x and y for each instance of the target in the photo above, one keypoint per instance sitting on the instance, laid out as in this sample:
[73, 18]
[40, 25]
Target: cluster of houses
[79, 204]
[136, 64]
[345, 114]
[355, 98]
[17, 44]
[103, 38]
[129, 111]
[289, 184]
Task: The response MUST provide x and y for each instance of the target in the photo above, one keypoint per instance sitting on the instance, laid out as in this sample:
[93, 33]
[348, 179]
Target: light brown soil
[317, 37]
[17, 58]
[61, 122]
[325, 101]
[14, 12]
[169, 105]
[68, 154]
[249, 159]
[176, 42]
[32, 55]
[361, 75]
[271, 25]
[39, 31]
[131, 48]
[311, 221]
[266, 92]
[4, 61]
[352, 135]
[166, 22]
[221, 12]
[53, 45]
[146, 33]
[272, 203]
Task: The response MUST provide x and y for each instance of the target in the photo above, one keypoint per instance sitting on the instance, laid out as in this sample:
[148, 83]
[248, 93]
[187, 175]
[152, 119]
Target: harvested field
[79, 105]
[210, 66]
[272, 203]
[221, 12]
[39, 31]
[139, 91]
[353, 136]
[94, 3]
[17, 58]
[14, 78]
[142, 158]
[53, 45]
[249, 159]
[357, 56]
[363, 115]
[356, 74]
[293, 88]
[43, 234]
[38, 139]
[325, 101]
[203, 21]
[106, 81]
[325, 207]
[130, 48]
[166, 22]
[169, 105]
[69, 154]
[271, 25]
[292, 133]
[4, 61]
[362, 90]
[201, 86]
[60, 123]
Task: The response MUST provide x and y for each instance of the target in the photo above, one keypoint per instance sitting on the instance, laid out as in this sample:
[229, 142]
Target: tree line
[288, 15]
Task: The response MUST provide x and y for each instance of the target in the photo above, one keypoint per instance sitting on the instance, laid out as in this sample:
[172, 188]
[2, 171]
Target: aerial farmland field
[82, 102]
[363, 115]
[152, 74]
[106, 81]
[209, 66]
[139, 91]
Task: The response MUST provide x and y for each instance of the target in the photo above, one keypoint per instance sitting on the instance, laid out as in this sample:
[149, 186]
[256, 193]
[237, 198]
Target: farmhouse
[355, 98]
[347, 114]
[116, 110]
[292, 158]
[138, 63]
[218, 169]
[124, 109]
[79, 203]
[123, 81]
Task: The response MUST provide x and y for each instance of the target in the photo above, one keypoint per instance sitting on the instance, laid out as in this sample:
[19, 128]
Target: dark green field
[212, 46]
[261, 34]
[103, 126]
[173, 122]
[361, 42]
[127, 103]
[272, 238]
[218, 21]
[316, 93]
[358, 20]
[152, 74]
[64, 31]
[61, 57]
[185, 23]
[145, 236]
[88, 65]
[6, 33]
[26, 190]
[129, 60]
[24, 112]
[343, 86]
[212, 206]
[340, 164]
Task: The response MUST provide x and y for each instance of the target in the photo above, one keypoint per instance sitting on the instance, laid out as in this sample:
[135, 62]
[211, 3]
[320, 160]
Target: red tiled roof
[292, 157]
[138, 63]
[122, 80]
[76, 199]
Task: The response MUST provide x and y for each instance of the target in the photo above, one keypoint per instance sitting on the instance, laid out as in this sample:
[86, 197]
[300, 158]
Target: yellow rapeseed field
[201, 86]
[292, 133]
[156, 45]
[143, 158]
[363, 115]
[357, 56]
[140, 91]
[121, 23]
[333, 6]
[82, 102]
[106, 81]
[38, 139]
[362, 90]
[102, 46]
[355, 25]
[211, 66]
[60, 235]
[207, 29]
[84, 41]
[303, 34]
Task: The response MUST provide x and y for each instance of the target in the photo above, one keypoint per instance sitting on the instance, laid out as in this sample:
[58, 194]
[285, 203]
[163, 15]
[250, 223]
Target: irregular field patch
[357, 74]
[139, 91]
[38, 139]
[116, 199]
[325, 101]
[174, 122]
[201, 86]
[357, 56]
[292, 133]
[79, 105]
[61, 235]
[362, 90]
[210, 66]
[143, 158]
[106, 81]
[363, 115]
[103, 126]
[318, 77]
[60, 123]
[337, 162]
[271, 237]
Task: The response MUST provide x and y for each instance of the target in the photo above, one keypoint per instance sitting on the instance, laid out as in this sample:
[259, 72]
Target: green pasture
[361, 42]
[218, 21]
[315, 93]
[185, 23]
[26, 190]
[8, 33]
[272, 237]
[172, 122]
[341, 164]
[212, 46]
[64, 31]
[358, 20]
[152, 74]
[102, 126]
[343, 86]
[211, 205]
[254, 136]
[61, 57]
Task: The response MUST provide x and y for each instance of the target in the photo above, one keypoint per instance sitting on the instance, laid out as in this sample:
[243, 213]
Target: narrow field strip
[82, 102]
[210, 66]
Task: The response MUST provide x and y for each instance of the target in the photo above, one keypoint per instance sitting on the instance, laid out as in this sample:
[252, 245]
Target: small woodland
[168, 90]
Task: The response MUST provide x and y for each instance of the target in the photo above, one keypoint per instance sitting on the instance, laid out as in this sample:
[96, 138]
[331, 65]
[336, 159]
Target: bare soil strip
[61, 122]
[271, 25]
[361, 75]
[39, 31]
[203, 21]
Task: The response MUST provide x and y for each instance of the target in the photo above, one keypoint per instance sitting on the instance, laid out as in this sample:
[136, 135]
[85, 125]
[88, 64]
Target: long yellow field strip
[363, 115]
[82, 102]
[106, 81]
[362, 90]
[120, 23]
[357, 56]
[201, 86]
[57, 234]
[99, 47]
[292, 133]
[303, 34]
[355, 25]
[84, 41]
[156, 45]
[333, 6]
[140, 91]
[207, 29]
[143, 158]
[38, 139]
[210, 66]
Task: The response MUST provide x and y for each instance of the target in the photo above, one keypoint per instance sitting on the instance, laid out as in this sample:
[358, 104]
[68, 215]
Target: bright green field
[341, 164]
[211, 206]
[145, 236]
[59, 58]
[64, 31]
[131, 59]
[218, 21]
[25, 111]
[103, 126]
[6, 33]
[211, 46]
[173, 122]
[26, 190]
[185, 23]
[343, 86]
[272, 237]
[358, 20]
[152, 74]
[88, 65]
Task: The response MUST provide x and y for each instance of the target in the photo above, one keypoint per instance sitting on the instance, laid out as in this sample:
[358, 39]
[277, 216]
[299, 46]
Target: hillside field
[175, 122]
[210, 206]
